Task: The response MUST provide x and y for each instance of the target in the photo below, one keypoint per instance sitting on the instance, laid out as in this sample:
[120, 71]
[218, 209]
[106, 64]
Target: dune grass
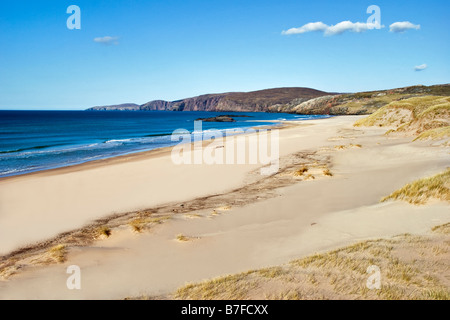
[414, 115]
[435, 134]
[104, 232]
[232, 287]
[443, 229]
[376, 117]
[434, 117]
[418, 105]
[182, 238]
[141, 223]
[439, 109]
[301, 171]
[410, 269]
[58, 253]
[422, 190]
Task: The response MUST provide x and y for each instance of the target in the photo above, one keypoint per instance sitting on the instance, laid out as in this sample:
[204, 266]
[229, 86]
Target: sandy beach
[217, 219]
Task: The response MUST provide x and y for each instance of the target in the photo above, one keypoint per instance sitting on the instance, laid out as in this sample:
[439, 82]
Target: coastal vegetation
[426, 117]
[423, 190]
[410, 265]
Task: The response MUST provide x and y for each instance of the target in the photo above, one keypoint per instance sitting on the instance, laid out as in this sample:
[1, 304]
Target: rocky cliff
[262, 100]
[290, 100]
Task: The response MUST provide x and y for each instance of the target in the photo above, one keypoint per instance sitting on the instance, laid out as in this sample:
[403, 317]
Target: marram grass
[422, 190]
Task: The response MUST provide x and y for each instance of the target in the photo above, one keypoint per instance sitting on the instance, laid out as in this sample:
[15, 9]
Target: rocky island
[222, 118]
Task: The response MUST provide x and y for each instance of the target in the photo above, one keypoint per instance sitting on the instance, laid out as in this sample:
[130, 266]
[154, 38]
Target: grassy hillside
[361, 103]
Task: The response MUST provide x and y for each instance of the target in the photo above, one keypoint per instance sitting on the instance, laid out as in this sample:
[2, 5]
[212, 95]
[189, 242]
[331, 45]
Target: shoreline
[133, 155]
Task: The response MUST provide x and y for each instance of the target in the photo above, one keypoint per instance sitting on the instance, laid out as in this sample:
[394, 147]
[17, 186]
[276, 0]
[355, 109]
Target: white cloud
[343, 26]
[309, 27]
[338, 28]
[107, 40]
[421, 67]
[403, 26]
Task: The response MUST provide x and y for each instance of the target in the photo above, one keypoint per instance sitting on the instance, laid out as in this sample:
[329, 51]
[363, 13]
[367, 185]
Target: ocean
[40, 140]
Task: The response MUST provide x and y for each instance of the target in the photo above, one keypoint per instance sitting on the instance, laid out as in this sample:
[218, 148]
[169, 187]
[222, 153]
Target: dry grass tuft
[140, 224]
[224, 208]
[444, 229]
[436, 294]
[351, 145]
[301, 171]
[271, 273]
[420, 191]
[435, 134]
[104, 232]
[137, 225]
[183, 238]
[58, 253]
[180, 237]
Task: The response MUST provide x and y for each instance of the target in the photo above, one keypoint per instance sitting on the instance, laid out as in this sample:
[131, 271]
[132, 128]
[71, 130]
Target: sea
[40, 140]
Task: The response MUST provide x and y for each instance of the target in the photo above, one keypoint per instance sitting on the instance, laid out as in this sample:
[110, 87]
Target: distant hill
[289, 100]
[262, 100]
[118, 107]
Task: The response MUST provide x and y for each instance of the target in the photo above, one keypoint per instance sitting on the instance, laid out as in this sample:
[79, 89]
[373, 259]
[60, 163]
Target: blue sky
[173, 49]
